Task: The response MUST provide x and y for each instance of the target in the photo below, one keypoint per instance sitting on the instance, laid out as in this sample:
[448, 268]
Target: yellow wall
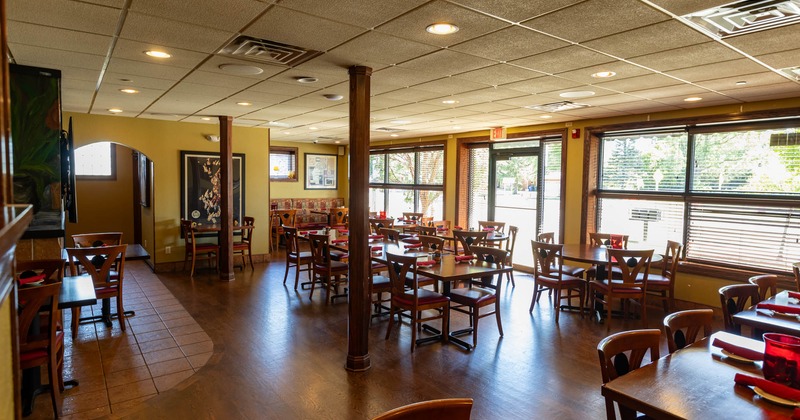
[98, 199]
[6, 375]
[162, 141]
[297, 189]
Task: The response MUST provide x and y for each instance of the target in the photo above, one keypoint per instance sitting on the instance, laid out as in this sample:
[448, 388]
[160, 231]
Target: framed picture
[321, 172]
[144, 180]
[200, 191]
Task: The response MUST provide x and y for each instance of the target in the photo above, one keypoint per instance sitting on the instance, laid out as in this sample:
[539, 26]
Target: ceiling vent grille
[557, 106]
[388, 130]
[269, 52]
[745, 16]
[331, 138]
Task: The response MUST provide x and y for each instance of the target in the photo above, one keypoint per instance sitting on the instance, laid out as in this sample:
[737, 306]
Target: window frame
[283, 150]
[112, 157]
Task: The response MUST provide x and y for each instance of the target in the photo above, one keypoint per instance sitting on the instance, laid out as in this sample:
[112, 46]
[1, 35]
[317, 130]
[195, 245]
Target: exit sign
[497, 133]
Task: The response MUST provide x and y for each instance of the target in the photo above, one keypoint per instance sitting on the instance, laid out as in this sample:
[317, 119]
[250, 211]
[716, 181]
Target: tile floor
[163, 345]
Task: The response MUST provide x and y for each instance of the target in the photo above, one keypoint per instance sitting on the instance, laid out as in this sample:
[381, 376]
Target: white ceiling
[507, 55]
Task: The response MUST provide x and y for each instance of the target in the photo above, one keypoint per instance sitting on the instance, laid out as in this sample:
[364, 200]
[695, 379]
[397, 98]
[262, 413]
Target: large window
[407, 179]
[96, 161]
[729, 192]
[283, 164]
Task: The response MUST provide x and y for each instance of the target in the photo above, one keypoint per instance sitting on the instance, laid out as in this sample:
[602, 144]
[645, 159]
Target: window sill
[733, 274]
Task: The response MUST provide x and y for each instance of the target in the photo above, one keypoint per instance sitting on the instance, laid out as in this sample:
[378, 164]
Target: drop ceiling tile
[73, 15]
[169, 33]
[143, 69]
[403, 77]
[311, 102]
[647, 81]
[380, 48]
[119, 4]
[78, 74]
[58, 39]
[488, 95]
[610, 99]
[593, 112]
[411, 95]
[225, 108]
[753, 80]
[446, 63]
[228, 15]
[325, 79]
[213, 63]
[111, 98]
[76, 84]
[622, 69]
[201, 100]
[388, 115]
[242, 122]
[216, 79]
[648, 40]
[781, 60]
[412, 25]
[768, 41]
[542, 84]
[519, 113]
[75, 100]
[417, 108]
[133, 50]
[709, 98]
[148, 95]
[515, 10]
[53, 59]
[278, 113]
[287, 89]
[453, 113]
[163, 117]
[641, 107]
[219, 91]
[484, 118]
[354, 12]
[691, 56]
[137, 81]
[383, 101]
[556, 94]
[684, 7]
[731, 68]
[775, 91]
[509, 44]
[450, 86]
[668, 91]
[563, 59]
[598, 18]
[488, 107]
[498, 74]
[523, 101]
[284, 25]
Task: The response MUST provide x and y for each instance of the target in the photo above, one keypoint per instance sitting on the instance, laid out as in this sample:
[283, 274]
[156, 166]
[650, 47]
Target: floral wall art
[200, 187]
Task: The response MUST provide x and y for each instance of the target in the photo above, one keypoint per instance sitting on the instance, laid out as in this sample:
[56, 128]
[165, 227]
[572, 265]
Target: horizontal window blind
[648, 223]
[752, 236]
[644, 162]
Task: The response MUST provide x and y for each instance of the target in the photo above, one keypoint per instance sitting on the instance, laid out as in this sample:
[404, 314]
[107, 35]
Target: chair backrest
[339, 215]
[491, 224]
[612, 240]
[188, 235]
[672, 257]
[511, 241]
[53, 270]
[412, 216]
[547, 260]
[286, 217]
[292, 243]
[432, 243]
[796, 269]
[450, 409]
[692, 321]
[32, 300]
[441, 224]
[734, 299]
[320, 251]
[402, 268]
[88, 240]
[631, 263]
[381, 223]
[547, 237]
[247, 234]
[391, 235]
[469, 238]
[613, 360]
[426, 230]
[767, 285]
[98, 262]
[494, 256]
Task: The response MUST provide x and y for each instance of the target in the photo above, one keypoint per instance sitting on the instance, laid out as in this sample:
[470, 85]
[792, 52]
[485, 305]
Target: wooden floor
[278, 355]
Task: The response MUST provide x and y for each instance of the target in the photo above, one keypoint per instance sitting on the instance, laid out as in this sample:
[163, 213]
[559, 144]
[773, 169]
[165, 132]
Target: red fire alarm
[576, 133]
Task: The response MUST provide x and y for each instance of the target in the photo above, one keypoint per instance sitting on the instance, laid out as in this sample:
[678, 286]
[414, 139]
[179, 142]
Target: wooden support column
[359, 309]
[226, 199]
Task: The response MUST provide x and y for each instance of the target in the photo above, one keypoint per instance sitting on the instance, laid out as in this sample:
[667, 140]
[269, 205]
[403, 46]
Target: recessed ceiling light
[129, 90]
[244, 103]
[456, 127]
[693, 99]
[741, 83]
[312, 128]
[577, 94]
[241, 69]
[333, 97]
[449, 101]
[206, 118]
[604, 74]
[547, 117]
[114, 110]
[158, 54]
[442, 28]
[286, 132]
[338, 141]
[393, 135]
[306, 79]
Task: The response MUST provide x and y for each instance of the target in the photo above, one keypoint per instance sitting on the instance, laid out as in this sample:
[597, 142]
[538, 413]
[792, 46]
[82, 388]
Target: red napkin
[796, 413]
[458, 228]
[343, 231]
[303, 232]
[375, 236]
[441, 229]
[31, 279]
[410, 240]
[414, 246]
[464, 257]
[489, 229]
[426, 263]
[776, 389]
[376, 248]
[787, 309]
[339, 241]
[737, 350]
[795, 295]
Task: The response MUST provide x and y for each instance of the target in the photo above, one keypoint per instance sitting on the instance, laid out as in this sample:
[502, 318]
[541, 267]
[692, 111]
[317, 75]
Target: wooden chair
[549, 274]
[796, 269]
[467, 239]
[445, 409]
[431, 243]
[44, 346]
[549, 238]
[378, 286]
[195, 251]
[98, 262]
[281, 218]
[327, 272]
[767, 285]
[295, 257]
[53, 270]
[612, 240]
[390, 235]
[87, 240]
[631, 287]
[338, 217]
[662, 286]
[614, 362]
[441, 224]
[510, 242]
[691, 321]
[377, 224]
[734, 299]
[412, 216]
[481, 292]
[426, 230]
[244, 245]
[491, 224]
[415, 300]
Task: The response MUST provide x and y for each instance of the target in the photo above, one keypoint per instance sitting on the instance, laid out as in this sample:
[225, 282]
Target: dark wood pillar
[359, 310]
[226, 199]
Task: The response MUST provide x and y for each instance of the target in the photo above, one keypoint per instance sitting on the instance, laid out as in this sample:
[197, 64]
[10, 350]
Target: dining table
[696, 382]
[133, 252]
[762, 321]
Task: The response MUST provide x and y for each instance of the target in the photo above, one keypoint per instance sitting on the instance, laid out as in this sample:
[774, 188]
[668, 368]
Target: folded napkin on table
[489, 229]
[339, 241]
[458, 228]
[376, 248]
[426, 263]
[464, 257]
[305, 232]
[774, 388]
[796, 413]
[375, 236]
[414, 246]
[787, 309]
[737, 350]
[30, 279]
[410, 240]
[795, 295]
[441, 229]
[343, 232]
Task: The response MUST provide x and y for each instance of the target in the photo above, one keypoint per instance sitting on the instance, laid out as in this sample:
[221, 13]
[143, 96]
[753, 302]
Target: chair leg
[414, 318]
[313, 283]
[608, 309]
[497, 315]
[120, 312]
[535, 297]
[475, 317]
[391, 322]
[286, 273]
[250, 257]
[55, 392]
[191, 273]
[296, 274]
[556, 302]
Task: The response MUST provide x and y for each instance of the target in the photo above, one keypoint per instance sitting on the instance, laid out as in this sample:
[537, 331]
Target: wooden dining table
[760, 322]
[589, 254]
[694, 383]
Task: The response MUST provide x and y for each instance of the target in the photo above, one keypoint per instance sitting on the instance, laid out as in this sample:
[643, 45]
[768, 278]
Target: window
[407, 179]
[283, 164]
[728, 192]
[96, 161]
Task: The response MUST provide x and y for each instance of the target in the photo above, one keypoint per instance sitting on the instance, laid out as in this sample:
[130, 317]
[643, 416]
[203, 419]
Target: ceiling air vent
[557, 106]
[745, 16]
[792, 72]
[331, 138]
[269, 52]
[388, 130]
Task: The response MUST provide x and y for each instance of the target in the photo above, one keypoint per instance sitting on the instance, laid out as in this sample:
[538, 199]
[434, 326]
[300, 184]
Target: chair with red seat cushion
[325, 270]
[338, 217]
[614, 362]
[549, 238]
[608, 240]
[416, 300]
[481, 292]
[295, 257]
[44, 346]
[197, 251]
[467, 239]
[631, 263]
[662, 286]
[98, 262]
[244, 245]
[549, 274]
